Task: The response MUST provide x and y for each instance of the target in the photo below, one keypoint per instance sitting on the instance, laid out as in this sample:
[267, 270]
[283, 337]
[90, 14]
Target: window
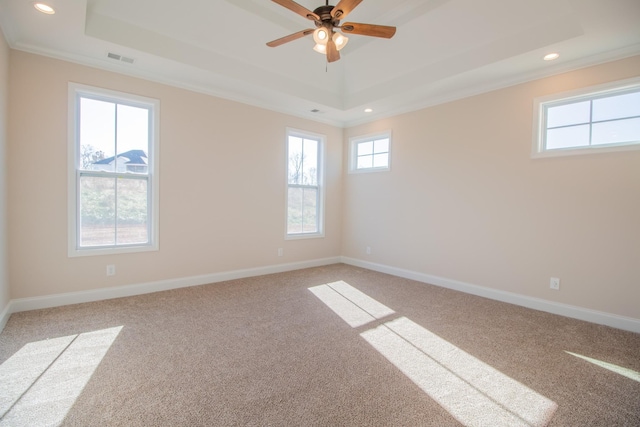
[113, 179]
[603, 118]
[304, 184]
[370, 153]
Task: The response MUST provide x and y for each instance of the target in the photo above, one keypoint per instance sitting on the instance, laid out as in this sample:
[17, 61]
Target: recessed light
[551, 56]
[44, 8]
[368, 110]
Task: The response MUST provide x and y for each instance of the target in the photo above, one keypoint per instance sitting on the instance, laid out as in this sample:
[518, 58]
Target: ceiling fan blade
[332, 51]
[343, 8]
[368, 29]
[300, 10]
[290, 38]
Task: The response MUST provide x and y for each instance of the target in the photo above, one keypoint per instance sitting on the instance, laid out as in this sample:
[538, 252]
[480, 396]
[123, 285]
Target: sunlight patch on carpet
[353, 306]
[473, 392]
[41, 382]
[625, 372]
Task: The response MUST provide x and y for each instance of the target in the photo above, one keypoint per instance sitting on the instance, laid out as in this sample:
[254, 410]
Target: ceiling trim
[307, 114]
[561, 68]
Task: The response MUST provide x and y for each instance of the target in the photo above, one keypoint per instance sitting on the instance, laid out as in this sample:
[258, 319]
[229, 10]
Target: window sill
[73, 252]
[303, 236]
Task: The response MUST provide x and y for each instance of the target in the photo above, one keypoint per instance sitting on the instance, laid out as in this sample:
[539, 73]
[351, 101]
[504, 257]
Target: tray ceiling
[443, 49]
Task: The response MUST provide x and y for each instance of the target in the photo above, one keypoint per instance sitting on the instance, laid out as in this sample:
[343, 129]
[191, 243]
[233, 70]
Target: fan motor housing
[324, 12]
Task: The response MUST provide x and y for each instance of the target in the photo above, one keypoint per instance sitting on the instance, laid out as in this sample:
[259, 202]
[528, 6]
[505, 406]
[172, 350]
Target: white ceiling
[442, 50]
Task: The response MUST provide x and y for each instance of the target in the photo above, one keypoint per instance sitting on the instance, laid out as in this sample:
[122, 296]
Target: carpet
[328, 346]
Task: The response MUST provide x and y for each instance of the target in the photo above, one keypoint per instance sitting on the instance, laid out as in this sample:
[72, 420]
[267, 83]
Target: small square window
[370, 153]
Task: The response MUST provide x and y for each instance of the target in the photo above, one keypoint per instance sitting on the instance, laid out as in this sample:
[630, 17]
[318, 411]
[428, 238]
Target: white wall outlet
[280, 252]
[368, 250]
[111, 270]
[554, 284]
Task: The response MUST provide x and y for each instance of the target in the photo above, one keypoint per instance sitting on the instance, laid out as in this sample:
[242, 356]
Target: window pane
[365, 162]
[310, 162]
[574, 136]
[302, 215]
[569, 114]
[295, 160]
[133, 139]
[294, 211]
[381, 146]
[97, 211]
[365, 148]
[616, 107]
[132, 211]
[309, 210]
[616, 131]
[381, 160]
[97, 134]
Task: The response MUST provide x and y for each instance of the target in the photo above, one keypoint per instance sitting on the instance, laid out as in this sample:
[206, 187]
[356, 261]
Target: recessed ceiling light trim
[44, 8]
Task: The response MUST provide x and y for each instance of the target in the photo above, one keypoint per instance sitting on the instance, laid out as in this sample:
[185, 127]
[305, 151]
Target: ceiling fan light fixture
[327, 21]
[340, 40]
[320, 48]
[321, 35]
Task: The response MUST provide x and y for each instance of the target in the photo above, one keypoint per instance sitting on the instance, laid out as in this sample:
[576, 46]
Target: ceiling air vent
[315, 110]
[120, 58]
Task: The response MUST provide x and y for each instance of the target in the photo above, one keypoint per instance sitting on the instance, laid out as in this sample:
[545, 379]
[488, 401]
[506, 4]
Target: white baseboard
[4, 316]
[57, 300]
[593, 316]
[48, 301]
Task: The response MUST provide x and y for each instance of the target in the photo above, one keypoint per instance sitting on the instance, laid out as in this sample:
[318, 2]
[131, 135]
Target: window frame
[75, 92]
[353, 150]
[591, 93]
[320, 204]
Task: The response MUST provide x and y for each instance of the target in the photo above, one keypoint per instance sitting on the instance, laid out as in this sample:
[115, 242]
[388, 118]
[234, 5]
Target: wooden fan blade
[368, 30]
[290, 37]
[332, 51]
[343, 8]
[300, 10]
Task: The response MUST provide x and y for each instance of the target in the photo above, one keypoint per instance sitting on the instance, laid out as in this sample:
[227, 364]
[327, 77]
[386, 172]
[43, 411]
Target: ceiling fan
[327, 19]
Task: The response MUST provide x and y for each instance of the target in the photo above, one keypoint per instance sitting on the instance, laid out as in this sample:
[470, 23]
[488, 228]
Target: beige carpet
[327, 346]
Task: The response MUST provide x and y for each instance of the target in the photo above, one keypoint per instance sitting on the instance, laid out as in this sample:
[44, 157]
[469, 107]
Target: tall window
[113, 180]
[304, 184]
[594, 119]
[370, 153]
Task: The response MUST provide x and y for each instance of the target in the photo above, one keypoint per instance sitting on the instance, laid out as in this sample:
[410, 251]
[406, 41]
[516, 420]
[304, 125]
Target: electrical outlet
[280, 252]
[368, 250]
[554, 284]
[111, 270]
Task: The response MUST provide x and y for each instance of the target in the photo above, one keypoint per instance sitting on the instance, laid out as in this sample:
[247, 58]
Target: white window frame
[353, 152]
[291, 132]
[75, 92]
[541, 104]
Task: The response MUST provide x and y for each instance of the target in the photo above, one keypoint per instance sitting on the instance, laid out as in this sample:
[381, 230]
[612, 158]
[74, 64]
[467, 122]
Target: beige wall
[4, 97]
[222, 185]
[464, 201]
